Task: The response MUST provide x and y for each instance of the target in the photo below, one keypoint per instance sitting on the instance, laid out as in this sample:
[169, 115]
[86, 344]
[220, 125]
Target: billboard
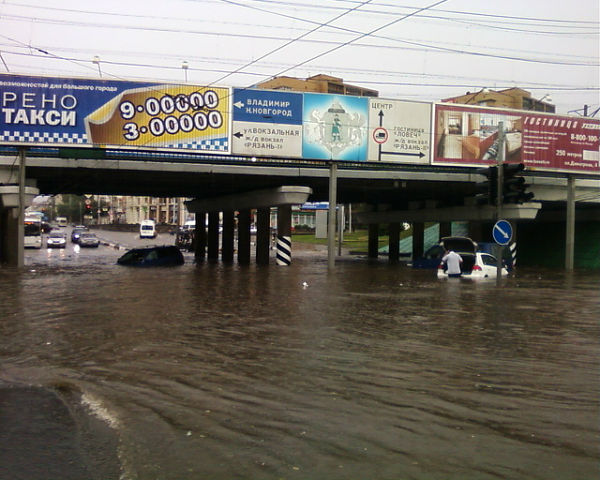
[267, 123]
[271, 123]
[400, 131]
[335, 127]
[47, 110]
[469, 136]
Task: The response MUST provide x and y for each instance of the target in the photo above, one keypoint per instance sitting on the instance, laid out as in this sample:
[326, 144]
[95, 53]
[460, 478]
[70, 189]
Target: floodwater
[371, 371]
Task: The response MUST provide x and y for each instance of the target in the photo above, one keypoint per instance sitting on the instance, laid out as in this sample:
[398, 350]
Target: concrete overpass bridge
[393, 193]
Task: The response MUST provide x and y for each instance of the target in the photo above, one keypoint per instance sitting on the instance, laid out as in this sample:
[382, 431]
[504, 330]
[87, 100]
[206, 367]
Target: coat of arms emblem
[335, 129]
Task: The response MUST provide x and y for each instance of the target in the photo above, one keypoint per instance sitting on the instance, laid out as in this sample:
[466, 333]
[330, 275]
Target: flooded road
[368, 372]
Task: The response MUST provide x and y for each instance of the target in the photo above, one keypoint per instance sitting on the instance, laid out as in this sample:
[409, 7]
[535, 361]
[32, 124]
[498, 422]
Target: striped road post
[284, 250]
[513, 253]
[284, 235]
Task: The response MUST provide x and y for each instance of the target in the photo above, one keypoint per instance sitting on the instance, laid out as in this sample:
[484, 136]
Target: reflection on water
[370, 371]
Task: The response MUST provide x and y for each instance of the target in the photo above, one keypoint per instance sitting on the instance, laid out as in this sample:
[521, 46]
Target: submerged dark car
[162, 256]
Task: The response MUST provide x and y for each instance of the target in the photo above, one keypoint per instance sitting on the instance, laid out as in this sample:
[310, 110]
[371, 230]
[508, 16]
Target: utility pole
[20, 258]
[500, 194]
[570, 232]
[331, 218]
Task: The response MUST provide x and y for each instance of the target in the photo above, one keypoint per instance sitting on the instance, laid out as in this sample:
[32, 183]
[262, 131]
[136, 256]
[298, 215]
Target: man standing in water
[453, 261]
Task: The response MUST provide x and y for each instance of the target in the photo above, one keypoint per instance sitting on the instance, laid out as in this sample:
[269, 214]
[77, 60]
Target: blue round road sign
[502, 232]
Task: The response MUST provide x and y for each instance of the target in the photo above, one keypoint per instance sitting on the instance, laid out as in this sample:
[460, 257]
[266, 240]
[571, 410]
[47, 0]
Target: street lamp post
[185, 66]
[96, 60]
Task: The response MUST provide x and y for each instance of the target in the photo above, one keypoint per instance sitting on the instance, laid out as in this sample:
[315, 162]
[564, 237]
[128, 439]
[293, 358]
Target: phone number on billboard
[172, 124]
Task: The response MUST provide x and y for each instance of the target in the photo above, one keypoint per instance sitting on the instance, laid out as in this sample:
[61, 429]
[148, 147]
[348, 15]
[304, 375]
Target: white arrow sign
[238, 104]
[504, 234]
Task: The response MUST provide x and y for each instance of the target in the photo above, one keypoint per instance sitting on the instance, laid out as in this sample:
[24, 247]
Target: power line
[336, 45]
[293, 40]
[319, 6]
[500, 84]
[387, 6]
[4, 62]
[415, 47]
[371, 72]
[360, 36]
[420, 44]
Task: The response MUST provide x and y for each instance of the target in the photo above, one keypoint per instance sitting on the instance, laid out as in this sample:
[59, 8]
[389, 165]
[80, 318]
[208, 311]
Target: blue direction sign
[265, 106]
[267, 123]
[502, 232]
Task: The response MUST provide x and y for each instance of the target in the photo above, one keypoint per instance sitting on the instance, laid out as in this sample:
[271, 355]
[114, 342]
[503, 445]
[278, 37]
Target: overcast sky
[407, 49]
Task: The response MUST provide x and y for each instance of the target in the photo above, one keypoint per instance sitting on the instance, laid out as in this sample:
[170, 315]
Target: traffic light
[514, 186]
[488, 189]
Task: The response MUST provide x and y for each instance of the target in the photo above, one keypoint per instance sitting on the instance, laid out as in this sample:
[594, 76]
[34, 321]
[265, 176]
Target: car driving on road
[76, 232]
[87, 239]
[56, 239]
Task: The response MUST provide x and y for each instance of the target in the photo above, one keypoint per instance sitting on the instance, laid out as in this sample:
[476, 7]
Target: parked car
[76, 232]
[475, 264]
[88, 239]
[56, 239]
[489, 247]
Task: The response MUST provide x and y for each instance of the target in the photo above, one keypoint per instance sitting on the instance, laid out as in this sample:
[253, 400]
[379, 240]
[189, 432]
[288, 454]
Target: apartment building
[316, 84]
[159, 209]
[515, 97]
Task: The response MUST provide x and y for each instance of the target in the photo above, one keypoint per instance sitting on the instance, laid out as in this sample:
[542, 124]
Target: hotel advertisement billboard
[105, 113]
[469, 136]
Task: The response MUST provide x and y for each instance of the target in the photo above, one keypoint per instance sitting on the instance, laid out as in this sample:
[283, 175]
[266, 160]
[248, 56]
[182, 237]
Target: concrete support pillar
[570, 230]
[244, 237]
[445, 229]
[213, 236]
[418, 239]
[373, 245]
[284, 235]
[227, 237]
[263, 235]
[394, 244]
[200, 237]
[3, 236]
[12, 219]
[476, 231]
[11, 238]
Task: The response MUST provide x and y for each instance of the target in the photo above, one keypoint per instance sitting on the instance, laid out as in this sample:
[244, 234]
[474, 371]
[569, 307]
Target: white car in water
[475, 264]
